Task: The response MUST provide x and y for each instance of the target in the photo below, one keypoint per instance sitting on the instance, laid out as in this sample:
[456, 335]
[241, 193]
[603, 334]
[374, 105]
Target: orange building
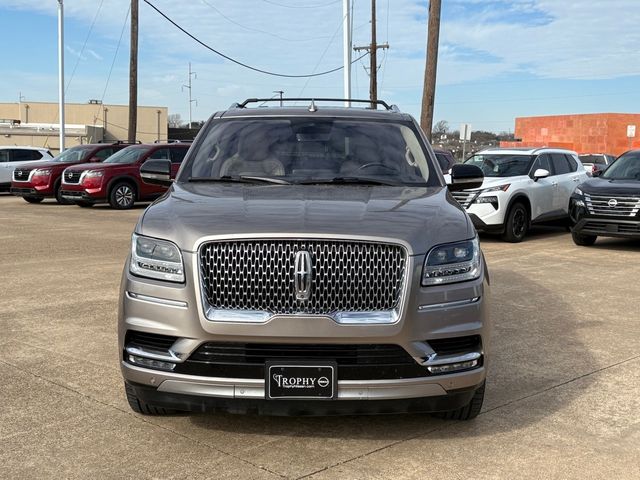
[584, 133]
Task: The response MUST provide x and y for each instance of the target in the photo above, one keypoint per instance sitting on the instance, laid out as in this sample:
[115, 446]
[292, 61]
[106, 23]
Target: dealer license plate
[300, 381]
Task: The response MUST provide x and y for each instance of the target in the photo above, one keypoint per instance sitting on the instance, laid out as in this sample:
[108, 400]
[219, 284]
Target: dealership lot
[563, 390]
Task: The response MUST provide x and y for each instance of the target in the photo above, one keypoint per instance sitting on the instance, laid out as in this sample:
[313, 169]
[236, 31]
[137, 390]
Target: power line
[301, 6]
[95, 17]
[323, 54]
[251, 29]
[237, 62]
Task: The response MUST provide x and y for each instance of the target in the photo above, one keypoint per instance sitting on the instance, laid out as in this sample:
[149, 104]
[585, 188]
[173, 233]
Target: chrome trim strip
[457, 303]
[435, 359]
[387, 317]
[160, 301]
[170, 356]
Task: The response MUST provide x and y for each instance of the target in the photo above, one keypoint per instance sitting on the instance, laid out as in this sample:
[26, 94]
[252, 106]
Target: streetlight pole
[346, 38]
[61, 71]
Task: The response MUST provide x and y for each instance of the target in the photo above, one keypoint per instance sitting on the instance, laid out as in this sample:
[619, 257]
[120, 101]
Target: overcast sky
[499, 59]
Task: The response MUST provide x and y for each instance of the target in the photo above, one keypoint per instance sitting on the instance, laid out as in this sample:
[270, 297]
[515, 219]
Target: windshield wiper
[350, 180]
[240, 179]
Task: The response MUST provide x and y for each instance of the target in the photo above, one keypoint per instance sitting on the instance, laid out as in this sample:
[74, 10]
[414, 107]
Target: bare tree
[441, 128]
[175, 120]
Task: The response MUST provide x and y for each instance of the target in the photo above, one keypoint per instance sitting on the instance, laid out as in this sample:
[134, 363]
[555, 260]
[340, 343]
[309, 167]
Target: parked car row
[95, 173]
[12, 156]
[524, 187]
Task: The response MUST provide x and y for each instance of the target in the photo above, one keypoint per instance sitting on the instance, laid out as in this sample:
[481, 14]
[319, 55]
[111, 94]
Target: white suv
[521, 187]
[11, 157]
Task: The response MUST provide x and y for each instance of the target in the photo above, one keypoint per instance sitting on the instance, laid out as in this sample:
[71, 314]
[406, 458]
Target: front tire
[583, 240]
[122, 196]
[517, 223]
[59, 199]
[33, 199]
[142, 407]
[467, 412]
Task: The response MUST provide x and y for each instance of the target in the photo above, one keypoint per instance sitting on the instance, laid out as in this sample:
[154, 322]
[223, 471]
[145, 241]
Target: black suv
[609, 205]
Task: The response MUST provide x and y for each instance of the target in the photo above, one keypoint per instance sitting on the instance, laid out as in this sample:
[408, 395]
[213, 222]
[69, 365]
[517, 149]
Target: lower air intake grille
[454, 345]
[149, 341]
[355, 362]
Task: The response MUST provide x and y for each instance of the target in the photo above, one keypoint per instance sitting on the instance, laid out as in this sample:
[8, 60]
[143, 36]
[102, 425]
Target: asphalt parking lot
[563, 398]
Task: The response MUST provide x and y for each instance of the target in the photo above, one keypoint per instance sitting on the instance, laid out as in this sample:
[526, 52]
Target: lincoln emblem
[302, 276]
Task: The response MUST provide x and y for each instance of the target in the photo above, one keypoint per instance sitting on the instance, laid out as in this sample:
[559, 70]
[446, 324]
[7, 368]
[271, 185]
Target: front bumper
[429, 313]
[79, 196]
[603, 226]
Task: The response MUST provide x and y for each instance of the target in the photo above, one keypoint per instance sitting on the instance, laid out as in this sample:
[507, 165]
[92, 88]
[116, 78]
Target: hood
[421, 217]
[603, 186]
[32, 165]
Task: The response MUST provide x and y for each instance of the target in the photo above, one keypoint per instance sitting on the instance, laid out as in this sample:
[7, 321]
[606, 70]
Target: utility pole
[346, 51]
[429, 89]
[61, 71]
[188, 86]
[133, 74]
[373, 57]
[279, 92]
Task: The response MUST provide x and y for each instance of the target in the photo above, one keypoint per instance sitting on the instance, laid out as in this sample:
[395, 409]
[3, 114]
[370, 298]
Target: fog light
[148, 362]
[453, 367]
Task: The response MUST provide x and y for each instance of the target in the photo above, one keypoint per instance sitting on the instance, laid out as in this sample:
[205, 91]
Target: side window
[161, 154]
[573, 164]
[177, 154]
[560, 163]
[544, 162]
[25, 155]
[4, 156]
[104, 153]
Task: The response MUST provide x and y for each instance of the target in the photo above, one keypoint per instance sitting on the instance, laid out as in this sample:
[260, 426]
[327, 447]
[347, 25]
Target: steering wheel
[376, 164]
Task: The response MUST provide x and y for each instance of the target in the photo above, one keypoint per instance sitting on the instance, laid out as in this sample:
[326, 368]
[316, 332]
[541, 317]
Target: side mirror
[95, 159]
[540, 173]
[597, 172]
[465, 176]
[156, 172]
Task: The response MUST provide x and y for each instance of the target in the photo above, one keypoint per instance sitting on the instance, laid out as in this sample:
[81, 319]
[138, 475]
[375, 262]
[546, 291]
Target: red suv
[35, 181]
[117, 180]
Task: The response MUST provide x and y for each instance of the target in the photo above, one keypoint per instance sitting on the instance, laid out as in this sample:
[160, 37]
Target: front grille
[21, 174]
[608, 227]
[71, 177]
[355, 362]
[149, 341]
[464, 197]
[455, 345]
[346, 276]
[612, 206]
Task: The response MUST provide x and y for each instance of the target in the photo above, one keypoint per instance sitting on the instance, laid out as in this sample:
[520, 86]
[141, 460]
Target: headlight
[492, 199]
[452, 262]
[577, 191]
[497, 188]
[92, 174]
[154, 258]
[42, 171]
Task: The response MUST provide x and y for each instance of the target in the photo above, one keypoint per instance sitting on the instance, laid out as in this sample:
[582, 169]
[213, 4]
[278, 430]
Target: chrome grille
[21, 174]
[258, 275]
[612, 206]
[70, 176]
[464, 197]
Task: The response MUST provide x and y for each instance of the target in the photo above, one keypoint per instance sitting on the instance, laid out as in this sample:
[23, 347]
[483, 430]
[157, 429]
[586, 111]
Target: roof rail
[310, 99]
[173, 140]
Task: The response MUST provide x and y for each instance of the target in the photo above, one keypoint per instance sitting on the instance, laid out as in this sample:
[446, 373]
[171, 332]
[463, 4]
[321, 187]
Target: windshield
[501, 164]
[303, 150]
[627, 167]
[600, 159]
[74, 154]
[127, 155]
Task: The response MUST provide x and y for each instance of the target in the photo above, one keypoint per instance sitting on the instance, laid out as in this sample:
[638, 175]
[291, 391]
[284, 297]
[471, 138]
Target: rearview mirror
[156, 172]
[540, 173]
[465, 176]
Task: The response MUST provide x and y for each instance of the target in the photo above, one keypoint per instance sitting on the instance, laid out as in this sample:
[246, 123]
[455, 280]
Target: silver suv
[306, 260]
